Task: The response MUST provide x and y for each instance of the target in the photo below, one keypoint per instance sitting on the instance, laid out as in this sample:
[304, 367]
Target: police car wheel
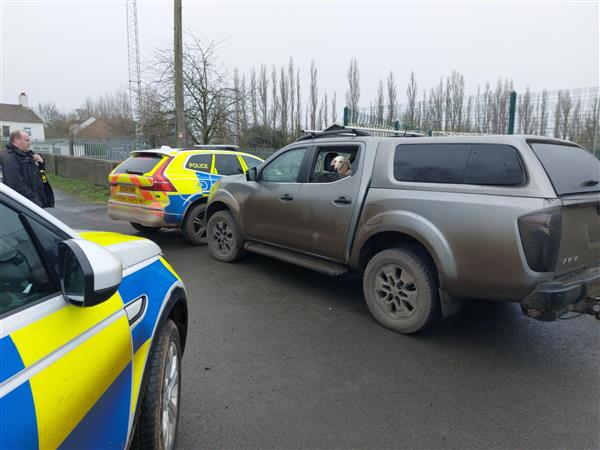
[143, 228]
[159, 417]
[224, 241]
[194, 225]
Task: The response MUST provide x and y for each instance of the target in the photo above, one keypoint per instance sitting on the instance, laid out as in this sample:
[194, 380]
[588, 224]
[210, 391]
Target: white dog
[341, 165]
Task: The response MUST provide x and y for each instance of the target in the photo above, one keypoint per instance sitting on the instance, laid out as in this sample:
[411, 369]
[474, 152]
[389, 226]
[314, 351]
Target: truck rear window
[572, 170]
[139, 164]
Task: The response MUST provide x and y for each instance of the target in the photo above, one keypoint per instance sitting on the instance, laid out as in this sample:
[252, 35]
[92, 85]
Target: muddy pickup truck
[425, 221]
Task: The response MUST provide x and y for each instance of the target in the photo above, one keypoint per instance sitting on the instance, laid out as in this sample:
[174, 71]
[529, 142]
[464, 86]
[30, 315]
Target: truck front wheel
[401, 291]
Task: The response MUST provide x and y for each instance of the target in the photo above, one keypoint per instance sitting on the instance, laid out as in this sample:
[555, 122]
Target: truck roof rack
[231, 147]
[312, 134]
[340, 130]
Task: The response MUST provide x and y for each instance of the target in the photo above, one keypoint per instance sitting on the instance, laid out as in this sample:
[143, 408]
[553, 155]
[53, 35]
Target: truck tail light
[540, 236]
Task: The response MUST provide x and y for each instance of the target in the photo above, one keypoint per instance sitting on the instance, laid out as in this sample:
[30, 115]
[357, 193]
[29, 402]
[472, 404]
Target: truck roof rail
[231, 147]
[312, 134]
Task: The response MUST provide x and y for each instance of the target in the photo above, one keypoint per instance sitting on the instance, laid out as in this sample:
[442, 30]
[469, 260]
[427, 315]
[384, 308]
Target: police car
[168, 188]
[92, 329]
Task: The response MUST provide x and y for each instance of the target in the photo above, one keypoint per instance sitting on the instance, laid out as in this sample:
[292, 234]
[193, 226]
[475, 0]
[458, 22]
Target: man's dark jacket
[20, 173]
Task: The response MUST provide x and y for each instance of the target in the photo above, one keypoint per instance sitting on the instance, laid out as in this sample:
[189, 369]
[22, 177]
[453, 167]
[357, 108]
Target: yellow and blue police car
[168, 188]
[92, 329]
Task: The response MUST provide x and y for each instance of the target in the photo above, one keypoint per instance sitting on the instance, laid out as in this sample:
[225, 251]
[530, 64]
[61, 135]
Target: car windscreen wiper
[133, 172]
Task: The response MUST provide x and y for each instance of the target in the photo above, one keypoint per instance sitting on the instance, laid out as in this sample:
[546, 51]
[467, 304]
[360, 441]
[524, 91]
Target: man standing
[19, 170]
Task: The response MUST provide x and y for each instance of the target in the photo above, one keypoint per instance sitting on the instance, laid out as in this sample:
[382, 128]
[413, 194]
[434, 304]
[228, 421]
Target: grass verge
[81, 188]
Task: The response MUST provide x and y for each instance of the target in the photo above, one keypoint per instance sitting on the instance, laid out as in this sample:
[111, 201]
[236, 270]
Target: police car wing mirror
[89, 273]
[252, 174]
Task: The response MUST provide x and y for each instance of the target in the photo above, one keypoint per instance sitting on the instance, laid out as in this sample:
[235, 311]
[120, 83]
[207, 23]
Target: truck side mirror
[252, 174]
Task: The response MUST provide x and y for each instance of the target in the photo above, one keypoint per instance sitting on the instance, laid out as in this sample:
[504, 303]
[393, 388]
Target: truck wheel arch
[431, 243]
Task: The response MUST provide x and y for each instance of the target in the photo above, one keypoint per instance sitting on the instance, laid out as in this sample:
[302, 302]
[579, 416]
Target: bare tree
[237, 124]
[454, 99]
[543, 114]
[379, 103]
[334, 108]
[392, 97]
[325, 106]
[298, 103]
[283, 102]
[575, 126]
[410, 115]
[263, 90]
[244, 97]
[292, 96]
[436, 106]
[274, 99]
[499, 106]
[208, 95]
[254, 98]
[562, 114]
[313, 95]
[526, 122]
[353, 92]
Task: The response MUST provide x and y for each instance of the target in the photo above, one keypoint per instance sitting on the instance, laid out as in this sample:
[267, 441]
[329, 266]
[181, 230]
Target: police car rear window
[139, 164]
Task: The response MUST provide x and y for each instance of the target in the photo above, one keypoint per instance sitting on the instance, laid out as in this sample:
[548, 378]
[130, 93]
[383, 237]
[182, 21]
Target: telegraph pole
[180, 127]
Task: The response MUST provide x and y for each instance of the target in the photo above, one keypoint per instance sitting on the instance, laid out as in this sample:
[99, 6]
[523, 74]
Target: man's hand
[38, 158]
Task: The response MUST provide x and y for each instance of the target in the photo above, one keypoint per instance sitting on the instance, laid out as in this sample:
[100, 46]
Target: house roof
[18, 113]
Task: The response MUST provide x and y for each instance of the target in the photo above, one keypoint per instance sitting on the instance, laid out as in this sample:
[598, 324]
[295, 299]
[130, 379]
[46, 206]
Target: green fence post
[397, 125]
[346, 116]
[512, 109]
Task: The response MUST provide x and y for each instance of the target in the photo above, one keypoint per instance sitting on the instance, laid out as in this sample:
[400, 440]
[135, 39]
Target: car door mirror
[89, 273]
[252, 174]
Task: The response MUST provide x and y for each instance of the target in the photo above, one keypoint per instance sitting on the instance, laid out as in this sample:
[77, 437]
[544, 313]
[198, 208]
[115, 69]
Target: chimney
[23, 100]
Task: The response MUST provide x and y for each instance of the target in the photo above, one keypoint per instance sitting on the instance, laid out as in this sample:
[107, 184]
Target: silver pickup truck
[425, 221]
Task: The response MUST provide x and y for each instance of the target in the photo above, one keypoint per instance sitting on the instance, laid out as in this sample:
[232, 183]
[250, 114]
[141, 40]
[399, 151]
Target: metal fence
[110, 149]
[567, 114]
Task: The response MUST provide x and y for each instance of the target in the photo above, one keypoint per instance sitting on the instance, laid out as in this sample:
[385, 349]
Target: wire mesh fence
[571, 114]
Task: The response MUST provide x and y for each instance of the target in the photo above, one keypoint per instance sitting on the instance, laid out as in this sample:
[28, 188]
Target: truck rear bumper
[577, 292]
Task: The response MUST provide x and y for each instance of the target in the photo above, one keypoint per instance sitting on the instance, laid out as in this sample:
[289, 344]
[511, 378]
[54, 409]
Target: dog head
[341, 164]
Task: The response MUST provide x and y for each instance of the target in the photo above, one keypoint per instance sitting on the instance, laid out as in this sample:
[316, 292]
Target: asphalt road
[280, 357]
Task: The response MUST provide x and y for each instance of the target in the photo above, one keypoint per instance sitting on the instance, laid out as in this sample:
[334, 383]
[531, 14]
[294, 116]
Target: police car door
[65, 371]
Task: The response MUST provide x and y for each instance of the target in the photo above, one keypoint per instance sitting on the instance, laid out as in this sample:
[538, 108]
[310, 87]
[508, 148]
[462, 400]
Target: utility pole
[180, 127]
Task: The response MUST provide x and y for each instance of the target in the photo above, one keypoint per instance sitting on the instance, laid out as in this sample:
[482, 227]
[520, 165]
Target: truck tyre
[157, 424]
[193, 227]
[401, 291]
[224, 241]
[143, 228]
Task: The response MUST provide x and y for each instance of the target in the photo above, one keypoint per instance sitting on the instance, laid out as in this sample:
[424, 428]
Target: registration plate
[133, 201]
[127, 189]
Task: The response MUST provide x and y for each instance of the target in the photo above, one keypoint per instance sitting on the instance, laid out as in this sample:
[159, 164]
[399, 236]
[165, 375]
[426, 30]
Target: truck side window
[494, 164]
[431, 163]
[285, 168]
[323, 171]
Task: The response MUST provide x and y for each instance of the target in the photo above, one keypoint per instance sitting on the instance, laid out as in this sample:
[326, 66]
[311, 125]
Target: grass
[85, 190]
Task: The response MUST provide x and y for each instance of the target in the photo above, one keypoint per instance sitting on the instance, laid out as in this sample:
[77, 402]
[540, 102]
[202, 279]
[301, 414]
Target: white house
[21, 117]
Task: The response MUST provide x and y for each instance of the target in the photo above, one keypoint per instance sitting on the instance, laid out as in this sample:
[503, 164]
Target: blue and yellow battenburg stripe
[84, 396]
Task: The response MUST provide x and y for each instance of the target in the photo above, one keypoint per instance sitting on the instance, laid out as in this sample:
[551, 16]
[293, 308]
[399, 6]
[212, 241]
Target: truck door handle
[286, 198]
[343, 200]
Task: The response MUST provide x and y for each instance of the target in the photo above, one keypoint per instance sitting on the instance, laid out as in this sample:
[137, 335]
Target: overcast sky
[63, 51]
